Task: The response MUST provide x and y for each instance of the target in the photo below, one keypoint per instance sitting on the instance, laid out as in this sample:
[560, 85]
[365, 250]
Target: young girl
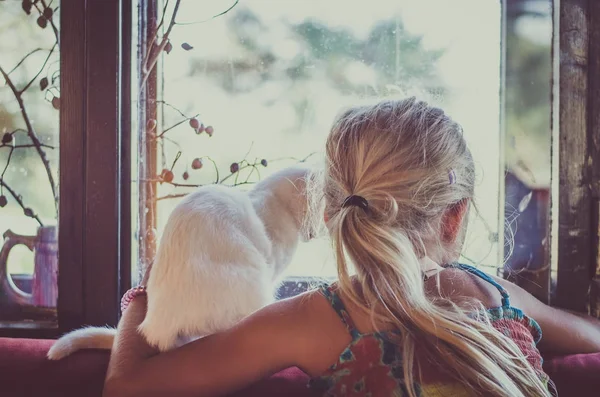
[409, 321]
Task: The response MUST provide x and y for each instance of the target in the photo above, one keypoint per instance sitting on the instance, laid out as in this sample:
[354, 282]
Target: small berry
[209, 130]
[7, 138]
[186, 176]
[3, 201]
[42, 22]
[28, 212]
[168, 47]
[194, 123]
[235, 167]
[43, 84]
[167, 175]
[48, 13]
[200, 129]
[56, 102]
[27, 4]
[197, 164]
[264, 162]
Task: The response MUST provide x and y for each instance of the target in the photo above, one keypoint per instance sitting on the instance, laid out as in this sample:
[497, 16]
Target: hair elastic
[356, 201]
[452, 177]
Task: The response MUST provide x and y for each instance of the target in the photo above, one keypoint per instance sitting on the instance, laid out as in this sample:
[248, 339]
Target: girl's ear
[453, 219]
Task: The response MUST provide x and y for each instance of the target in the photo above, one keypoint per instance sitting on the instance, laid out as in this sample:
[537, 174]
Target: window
[29, 114]
[286, 70]
[77, 99]
[527, 125]
[241, 82]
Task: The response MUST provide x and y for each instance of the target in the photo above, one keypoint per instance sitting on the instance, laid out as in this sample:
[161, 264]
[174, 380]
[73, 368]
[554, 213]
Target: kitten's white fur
[219, 259]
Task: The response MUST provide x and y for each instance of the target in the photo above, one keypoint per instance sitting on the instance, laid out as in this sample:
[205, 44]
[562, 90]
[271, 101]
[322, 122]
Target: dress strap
[338, 306]
[486, 277]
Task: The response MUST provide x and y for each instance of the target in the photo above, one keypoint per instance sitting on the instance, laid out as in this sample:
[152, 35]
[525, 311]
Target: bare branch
[7, 163]
[170, 128]
[25, 146]
[213, 17]
[19, 200]
[54, 28]
[175, 109]
[154, 53]
[32, 134]
[242, 167]
[216, 168]
[40, 71]
[179, 195]
[171, 141]
[25, 58]
[301, 160]
[162, 18]
[172, 196]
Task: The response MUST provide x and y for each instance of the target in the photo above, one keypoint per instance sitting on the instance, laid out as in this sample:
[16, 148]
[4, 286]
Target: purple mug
[44, 290]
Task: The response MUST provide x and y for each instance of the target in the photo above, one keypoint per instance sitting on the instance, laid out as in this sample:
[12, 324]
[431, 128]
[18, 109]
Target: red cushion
[575, 375]
[24, 372]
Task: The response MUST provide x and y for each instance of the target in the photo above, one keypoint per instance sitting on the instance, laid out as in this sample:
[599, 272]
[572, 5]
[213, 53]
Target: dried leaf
[56, 103]
[186, 46]
[43, 84]
[168, 47]
[525, 202]
[28, 212]
[235, 167]
[3, 201]
[264, 162]
[7, 138]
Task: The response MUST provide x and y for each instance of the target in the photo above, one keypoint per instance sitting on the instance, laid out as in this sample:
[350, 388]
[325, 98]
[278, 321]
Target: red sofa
[24, 372]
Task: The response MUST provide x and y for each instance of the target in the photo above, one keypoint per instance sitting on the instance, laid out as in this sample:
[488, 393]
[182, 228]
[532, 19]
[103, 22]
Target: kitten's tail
[85, 338]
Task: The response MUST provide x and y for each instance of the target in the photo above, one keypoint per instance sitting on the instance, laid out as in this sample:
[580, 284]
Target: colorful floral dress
[371, 365]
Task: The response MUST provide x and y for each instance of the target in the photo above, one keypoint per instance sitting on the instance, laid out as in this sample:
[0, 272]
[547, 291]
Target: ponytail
[477, 354]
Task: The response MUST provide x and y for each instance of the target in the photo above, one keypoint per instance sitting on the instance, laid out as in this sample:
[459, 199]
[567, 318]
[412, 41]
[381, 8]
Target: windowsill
[290, 286]
[295, 285]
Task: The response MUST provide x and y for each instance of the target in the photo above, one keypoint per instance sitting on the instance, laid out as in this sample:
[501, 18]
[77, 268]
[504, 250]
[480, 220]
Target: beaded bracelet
[130, 295]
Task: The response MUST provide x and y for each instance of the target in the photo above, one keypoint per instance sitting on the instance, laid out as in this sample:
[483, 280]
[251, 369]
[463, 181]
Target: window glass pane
[269, 78]
[528, 134]
[29, 125]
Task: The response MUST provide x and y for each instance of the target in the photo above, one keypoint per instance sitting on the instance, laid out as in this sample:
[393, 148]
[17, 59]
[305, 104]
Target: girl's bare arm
[562, 332]
[272, 339]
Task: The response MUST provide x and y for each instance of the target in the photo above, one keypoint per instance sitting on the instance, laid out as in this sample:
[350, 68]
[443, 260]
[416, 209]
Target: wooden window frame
[578, 280]
[95, 161]
[95, 173]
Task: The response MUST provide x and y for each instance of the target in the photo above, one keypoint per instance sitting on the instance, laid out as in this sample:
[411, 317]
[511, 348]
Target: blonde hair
[398, 155]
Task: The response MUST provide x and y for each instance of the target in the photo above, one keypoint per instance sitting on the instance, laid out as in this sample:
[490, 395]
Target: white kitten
[219, 259]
